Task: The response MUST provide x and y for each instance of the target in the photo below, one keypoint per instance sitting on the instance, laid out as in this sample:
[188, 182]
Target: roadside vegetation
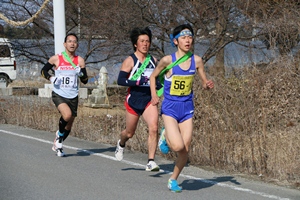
[249, 124]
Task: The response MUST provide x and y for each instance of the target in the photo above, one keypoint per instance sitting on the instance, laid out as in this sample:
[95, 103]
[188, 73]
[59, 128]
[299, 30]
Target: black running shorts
[72, 103]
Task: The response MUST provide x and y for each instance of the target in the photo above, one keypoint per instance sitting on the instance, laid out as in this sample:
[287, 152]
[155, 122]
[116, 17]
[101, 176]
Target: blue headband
[182, 33]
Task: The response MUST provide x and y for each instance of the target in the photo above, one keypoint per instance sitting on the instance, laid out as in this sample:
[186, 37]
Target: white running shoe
[54, 142]
[152, 167]
[57, 146]
[54, 148]
[60, 153]
[119, 152]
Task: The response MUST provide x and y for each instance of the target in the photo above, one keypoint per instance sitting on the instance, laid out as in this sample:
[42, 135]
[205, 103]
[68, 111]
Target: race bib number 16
[68, 81]
[181, 85]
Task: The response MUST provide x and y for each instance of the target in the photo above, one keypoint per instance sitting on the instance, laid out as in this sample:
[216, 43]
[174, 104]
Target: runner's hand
[78, 71]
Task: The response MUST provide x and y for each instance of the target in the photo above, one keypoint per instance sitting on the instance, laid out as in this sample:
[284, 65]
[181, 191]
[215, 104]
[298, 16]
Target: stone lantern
[99, 98]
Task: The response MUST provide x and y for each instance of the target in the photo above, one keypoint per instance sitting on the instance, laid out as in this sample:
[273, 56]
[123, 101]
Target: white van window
[4, 51]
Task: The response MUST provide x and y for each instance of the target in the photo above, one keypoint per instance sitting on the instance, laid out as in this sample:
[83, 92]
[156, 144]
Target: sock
[61, 125]
[150, 160]
[67, 132]
[60, 137]
[122, 145]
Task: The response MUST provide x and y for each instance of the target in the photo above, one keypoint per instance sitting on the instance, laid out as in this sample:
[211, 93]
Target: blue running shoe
[162, 143]
[173, 186]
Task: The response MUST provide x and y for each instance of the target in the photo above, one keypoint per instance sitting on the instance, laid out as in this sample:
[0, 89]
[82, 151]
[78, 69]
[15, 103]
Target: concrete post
[59, 25]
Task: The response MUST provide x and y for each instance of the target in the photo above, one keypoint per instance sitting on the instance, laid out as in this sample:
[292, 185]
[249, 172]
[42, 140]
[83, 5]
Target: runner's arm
[84, 78]
[206, 84]
[49, 66]
[125, 70]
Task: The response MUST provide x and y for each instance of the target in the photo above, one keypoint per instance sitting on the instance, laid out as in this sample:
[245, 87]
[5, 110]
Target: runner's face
[143, 44]
[185, 42]
[71, 44]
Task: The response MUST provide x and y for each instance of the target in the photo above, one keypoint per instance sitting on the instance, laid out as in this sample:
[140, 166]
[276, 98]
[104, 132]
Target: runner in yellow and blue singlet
[177, 109]
[178, 93]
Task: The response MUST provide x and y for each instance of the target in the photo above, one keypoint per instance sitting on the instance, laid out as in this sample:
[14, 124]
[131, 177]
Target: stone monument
[99, 98]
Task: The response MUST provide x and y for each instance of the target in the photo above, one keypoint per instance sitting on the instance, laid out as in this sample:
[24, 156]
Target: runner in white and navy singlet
[134, 73]
[139, 97]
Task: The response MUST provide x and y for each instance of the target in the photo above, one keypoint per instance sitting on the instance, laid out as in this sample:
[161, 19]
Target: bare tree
[219, 22]
[276, 22]
[104, 25]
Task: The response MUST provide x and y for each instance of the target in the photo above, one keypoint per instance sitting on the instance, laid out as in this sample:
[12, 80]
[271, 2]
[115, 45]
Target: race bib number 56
[181, 85]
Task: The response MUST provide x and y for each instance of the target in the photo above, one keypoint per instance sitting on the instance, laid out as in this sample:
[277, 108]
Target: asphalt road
[29, 169]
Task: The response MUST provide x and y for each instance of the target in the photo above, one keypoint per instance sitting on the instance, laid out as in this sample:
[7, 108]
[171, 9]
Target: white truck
[8, 71]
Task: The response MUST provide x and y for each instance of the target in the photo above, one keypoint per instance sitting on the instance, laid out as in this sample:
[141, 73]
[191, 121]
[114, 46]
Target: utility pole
[59, 25]
[79, 21]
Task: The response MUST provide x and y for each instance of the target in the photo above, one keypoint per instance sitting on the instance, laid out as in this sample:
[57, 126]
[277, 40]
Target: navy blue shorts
[180, 111]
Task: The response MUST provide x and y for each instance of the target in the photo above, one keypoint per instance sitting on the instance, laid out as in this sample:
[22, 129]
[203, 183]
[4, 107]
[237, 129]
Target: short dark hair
[136, 32]
[179, 28]
[71, 34]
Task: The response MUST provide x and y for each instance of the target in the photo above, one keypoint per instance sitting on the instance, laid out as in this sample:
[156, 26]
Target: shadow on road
[193, 184]
[88, 152]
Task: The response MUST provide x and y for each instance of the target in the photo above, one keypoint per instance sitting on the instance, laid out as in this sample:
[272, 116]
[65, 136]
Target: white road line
[164, 171]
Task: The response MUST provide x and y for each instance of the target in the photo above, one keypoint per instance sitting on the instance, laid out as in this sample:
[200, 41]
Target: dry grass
[249, 124]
